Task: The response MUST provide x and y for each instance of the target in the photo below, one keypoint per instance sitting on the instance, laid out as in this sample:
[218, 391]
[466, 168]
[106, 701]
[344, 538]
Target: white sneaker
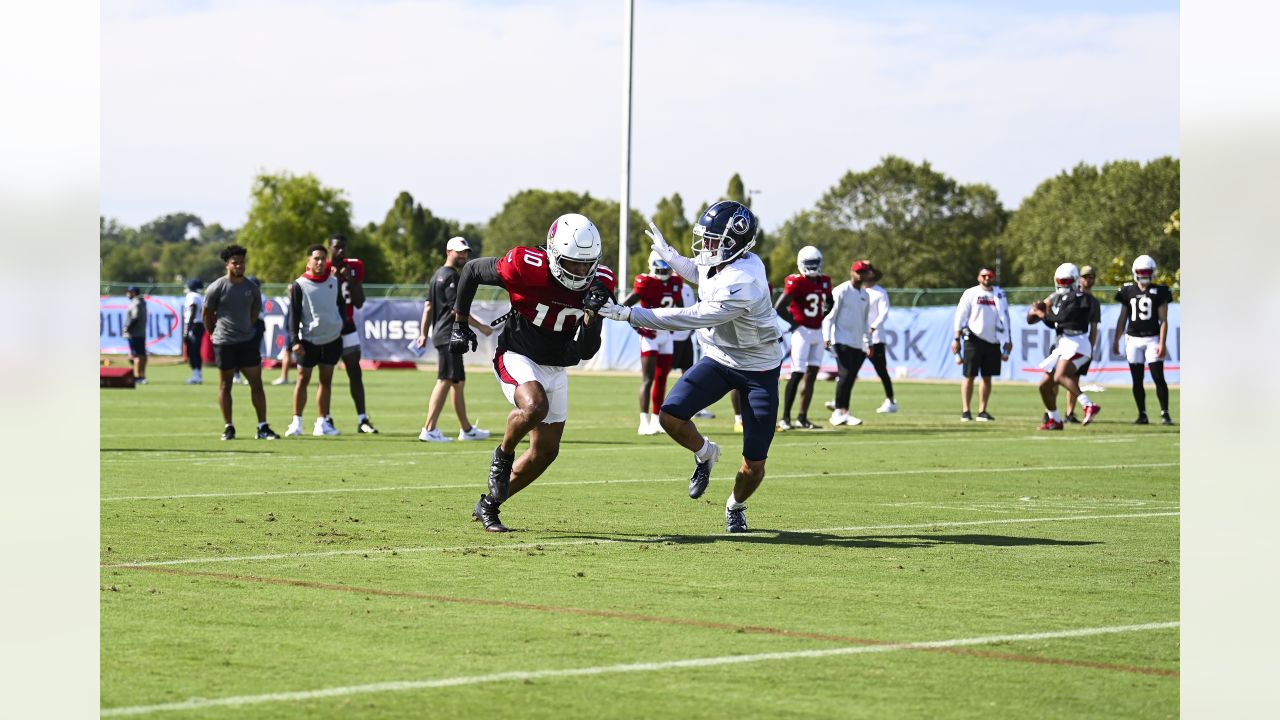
[434, 436]
[888, 406]
[645, 427]
[839, 416]
[474, 433]
[294, 429]
[140, 381]
[851, 420]
[655, 426]
[193, 380]
[784, 425]
[279, 381]
[324, 427]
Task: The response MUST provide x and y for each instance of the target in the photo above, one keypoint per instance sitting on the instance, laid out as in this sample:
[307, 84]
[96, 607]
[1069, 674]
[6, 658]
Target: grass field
[911, 567]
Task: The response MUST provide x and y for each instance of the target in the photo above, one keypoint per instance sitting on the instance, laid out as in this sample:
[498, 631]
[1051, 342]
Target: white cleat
[888, 406]
[324, 427]
[655, 426]
[475, 433]
[434, 436]
[851, 420]
[294, 429]
[838, 417]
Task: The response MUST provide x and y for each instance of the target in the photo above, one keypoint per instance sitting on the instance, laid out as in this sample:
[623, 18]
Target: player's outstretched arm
[683, 266]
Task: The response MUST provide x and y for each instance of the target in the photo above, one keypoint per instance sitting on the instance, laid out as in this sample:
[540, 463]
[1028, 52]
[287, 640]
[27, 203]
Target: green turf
[911, 527]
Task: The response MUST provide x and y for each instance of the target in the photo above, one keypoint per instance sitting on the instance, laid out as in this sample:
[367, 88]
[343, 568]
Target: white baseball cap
[458, 244]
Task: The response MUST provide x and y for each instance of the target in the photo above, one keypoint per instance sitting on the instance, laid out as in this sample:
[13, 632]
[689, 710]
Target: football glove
[597, 295]
[462, 338]
[614, 311]
[660, 244]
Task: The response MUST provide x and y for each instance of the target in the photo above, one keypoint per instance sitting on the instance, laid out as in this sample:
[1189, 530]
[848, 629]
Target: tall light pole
[624, 220]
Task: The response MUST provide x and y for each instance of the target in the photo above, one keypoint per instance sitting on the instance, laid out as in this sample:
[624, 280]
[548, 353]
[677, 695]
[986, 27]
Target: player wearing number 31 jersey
[806, 299]
[546, 331]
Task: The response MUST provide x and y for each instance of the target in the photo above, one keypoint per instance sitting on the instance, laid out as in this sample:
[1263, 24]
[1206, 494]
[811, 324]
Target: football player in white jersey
[742, 347]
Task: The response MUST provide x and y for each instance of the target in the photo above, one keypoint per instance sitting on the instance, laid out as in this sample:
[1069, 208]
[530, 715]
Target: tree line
[919, 226]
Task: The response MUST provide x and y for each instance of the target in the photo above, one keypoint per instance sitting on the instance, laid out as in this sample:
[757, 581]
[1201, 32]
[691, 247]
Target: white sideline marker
[606, 541]
[793, 476]
[524, 675]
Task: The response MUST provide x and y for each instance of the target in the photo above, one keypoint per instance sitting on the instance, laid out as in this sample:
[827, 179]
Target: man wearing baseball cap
[437, 314]
[846, 332]
[135, 331]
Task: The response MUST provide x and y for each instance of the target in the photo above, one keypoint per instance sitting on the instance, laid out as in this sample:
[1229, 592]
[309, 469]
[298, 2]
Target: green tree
[670, 219]
[920, 227]
[288, 213]
[173, 228]
[526, 216]
[1103, 216]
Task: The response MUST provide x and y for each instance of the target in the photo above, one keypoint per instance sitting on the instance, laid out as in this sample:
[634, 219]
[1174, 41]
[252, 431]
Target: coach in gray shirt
[232, 305]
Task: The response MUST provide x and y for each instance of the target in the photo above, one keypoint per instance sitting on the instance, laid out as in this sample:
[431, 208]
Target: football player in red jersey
[549, 329]
[350, 274]
[656, 289]
[805, 300]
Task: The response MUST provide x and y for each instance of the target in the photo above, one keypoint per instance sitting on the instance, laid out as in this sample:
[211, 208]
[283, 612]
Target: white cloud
[463, 104]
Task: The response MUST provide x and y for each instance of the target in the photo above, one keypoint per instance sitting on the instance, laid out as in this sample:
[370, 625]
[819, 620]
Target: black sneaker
[966, 416]
[984, 416]
[1142, 419]
[500, 475]
[486, 511]
[803, 423]
[266, 433]
[702, 473]
[229, 432]
[1071, 419]
[735, 521]
[1165, 419]
[367, 427]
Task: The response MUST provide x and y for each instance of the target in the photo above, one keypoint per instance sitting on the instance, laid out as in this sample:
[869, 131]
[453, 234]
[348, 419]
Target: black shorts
[234, 356]
[327, 354]
[450, 366]
[980, 357]
[682, 354]
[137, 347]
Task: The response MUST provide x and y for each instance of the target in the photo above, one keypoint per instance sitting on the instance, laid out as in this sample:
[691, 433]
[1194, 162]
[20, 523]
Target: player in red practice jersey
[350, 274]
[659, 288]
[805, 300]
[548, 330]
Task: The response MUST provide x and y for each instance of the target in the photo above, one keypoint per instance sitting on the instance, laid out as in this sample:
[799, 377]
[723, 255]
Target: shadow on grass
[783, 537]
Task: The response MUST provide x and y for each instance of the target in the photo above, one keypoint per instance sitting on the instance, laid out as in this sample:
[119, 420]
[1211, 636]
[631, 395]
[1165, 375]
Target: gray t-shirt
[135, 321]
[233, 305]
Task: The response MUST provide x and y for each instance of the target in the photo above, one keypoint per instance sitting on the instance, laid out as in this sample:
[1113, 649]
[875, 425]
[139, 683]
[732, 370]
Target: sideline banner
[917, 340]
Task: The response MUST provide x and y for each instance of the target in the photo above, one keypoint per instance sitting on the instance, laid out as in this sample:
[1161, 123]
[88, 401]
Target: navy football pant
[708, 381]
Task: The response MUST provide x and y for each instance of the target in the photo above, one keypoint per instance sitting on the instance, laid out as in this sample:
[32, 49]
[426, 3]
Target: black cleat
[1071, 420]
[229, 432]
[1165, 419]
[486, 511]
[702, 472]
[367, 427]
[984, 416]
[266, 433]
[500, 475]
[966, 416]
[803, 423]
[735, 521]
[1142, 419]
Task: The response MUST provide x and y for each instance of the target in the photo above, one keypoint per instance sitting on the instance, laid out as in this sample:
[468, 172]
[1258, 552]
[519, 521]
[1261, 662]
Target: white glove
[614, 311]
[660, 243]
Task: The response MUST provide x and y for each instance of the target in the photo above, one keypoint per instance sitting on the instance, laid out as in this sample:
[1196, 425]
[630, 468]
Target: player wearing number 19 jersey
[1145, 311]
[805, 300]
[656, 289]
[546, 331]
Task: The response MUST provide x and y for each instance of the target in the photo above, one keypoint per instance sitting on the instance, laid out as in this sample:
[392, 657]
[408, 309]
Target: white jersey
[879, 311]
[985, 313]
[847, 323]
[687, 299]
[190, 300]
[734, 314]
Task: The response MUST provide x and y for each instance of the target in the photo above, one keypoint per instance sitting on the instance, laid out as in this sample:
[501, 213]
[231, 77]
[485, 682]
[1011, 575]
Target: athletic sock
[262, 425]
[733, 504]
[363, 417]
[644, 418]
[705, 452]
[1084, 400]
[297, 419]
[737, 419]
[1054, 416]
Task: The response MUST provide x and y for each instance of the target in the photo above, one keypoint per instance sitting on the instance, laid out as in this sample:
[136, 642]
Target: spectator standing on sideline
[879, 315]
[350, 275]
[315, 337]
[232, 310]
[846, 332]
[135, 331]
[451, 374]
[1144, 325]
[982, 321]
[193, 329]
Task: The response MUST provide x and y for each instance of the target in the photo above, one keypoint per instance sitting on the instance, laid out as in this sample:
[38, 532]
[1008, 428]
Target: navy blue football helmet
[725, 231]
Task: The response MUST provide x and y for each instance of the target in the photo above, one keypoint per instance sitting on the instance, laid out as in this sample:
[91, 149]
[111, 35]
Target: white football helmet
[573, 237]
[809, 261]
[1144, 270]
[658, 267]
[1066, 277]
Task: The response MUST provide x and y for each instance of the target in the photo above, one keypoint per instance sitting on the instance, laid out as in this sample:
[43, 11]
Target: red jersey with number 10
[655, 293]
[807, 296]
[548, 312]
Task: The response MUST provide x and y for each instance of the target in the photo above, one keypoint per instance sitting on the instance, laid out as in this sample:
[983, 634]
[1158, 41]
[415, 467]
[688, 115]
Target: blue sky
[465, 103]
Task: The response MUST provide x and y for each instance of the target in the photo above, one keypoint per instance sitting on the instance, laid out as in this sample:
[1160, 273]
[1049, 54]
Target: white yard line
[819, 475]
[703, 662]
[607, 541]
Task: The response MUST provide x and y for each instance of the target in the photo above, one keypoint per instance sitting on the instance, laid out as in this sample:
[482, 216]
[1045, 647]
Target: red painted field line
[755, 629]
